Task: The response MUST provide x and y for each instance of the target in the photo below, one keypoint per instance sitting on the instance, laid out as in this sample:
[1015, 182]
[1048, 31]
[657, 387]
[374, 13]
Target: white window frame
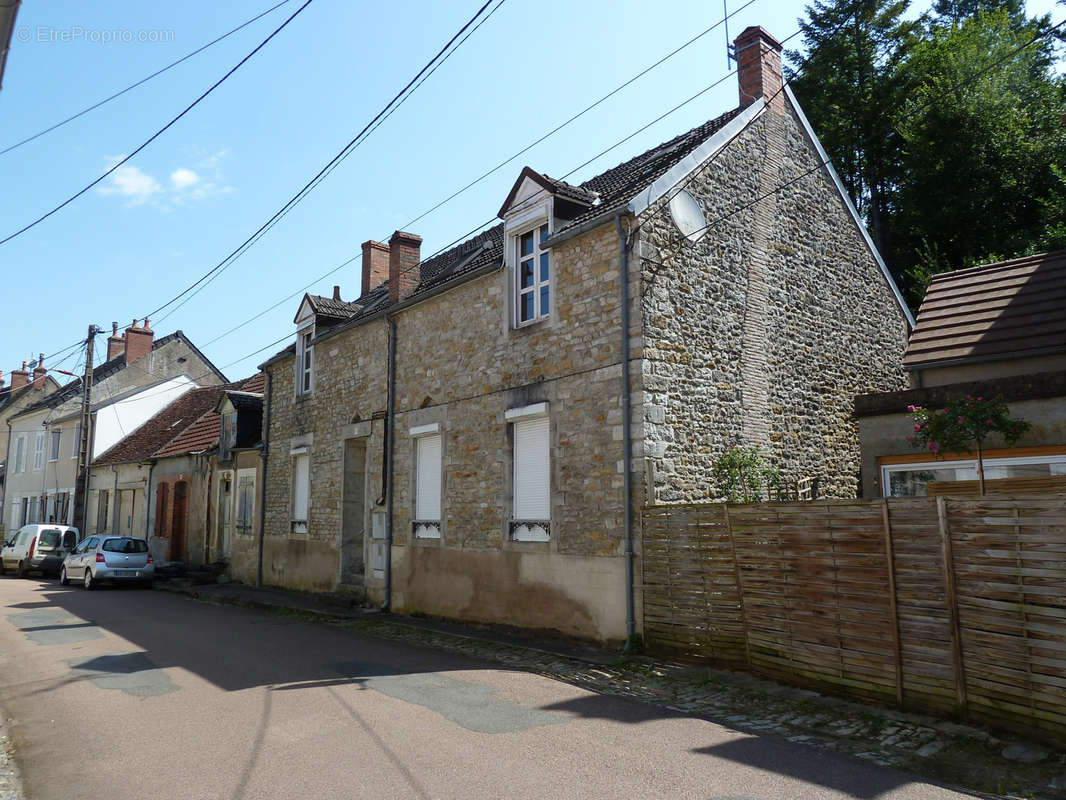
[77, 440]
[305, 359]
[426, 523]
[962, 463]
[21, 447]
[539, 314]
[38, 451]
[529, 524]
[57, 440]
[299, 522]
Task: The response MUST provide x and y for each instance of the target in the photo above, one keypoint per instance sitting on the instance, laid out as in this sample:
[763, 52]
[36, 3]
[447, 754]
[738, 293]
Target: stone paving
[10, 786]
[964, 757]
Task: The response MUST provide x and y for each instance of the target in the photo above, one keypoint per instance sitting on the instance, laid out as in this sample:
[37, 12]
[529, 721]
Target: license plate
[126, 573]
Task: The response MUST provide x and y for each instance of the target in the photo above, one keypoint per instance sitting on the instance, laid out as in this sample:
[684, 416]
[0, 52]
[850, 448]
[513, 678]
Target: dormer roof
[554, 186]
[333, 310]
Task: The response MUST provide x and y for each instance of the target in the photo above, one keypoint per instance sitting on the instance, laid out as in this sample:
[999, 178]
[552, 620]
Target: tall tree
[849, 86]
[983, 130]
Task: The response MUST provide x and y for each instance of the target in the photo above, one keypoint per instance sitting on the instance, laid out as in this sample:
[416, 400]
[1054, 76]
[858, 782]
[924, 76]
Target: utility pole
[81, 483]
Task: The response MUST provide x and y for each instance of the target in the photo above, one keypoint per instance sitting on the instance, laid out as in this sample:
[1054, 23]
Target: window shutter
[427, 478]
[301, 477]
[531, 469]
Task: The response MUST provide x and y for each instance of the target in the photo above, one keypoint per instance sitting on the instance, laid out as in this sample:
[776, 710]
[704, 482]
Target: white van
[38, 547]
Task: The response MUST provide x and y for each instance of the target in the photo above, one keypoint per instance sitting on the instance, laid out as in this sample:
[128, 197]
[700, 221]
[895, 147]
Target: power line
[158, 133]
[511, 158]
[142, 81]
[307, 187]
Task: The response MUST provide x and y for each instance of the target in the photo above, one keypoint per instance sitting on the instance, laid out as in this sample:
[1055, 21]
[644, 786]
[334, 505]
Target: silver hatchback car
[108, 558]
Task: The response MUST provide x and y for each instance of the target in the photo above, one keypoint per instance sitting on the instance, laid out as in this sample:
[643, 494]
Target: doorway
[179, 515]
[225, 515]
[353, 523]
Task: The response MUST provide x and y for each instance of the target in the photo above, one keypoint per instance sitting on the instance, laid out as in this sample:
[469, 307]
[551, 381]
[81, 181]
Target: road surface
[125, 693]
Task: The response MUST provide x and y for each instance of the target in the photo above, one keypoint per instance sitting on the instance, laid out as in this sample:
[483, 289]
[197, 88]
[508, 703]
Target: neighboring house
[141, 376]
[161, 482]
[8, 11]
[20, 395]
[756, 307]
[997, 329]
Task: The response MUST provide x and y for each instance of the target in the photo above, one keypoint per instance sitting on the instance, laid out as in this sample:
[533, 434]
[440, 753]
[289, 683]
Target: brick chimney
[1, 379]
[758, 56]
[138, 341]
[375, 265]
[39, 373]
[404, 271]
[19, 377]
[116, 345]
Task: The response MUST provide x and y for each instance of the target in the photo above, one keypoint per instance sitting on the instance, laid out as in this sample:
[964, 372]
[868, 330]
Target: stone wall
[761, 333]
[462, 365]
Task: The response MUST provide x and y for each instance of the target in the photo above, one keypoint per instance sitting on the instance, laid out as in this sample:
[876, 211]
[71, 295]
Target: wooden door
[178, 521]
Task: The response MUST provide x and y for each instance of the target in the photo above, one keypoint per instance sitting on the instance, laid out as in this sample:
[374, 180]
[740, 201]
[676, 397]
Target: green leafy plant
[741, 474]
[963, 425]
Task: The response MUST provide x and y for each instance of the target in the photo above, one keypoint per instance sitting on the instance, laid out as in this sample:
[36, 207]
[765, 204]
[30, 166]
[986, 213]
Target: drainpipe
[627, 437]
[7, 479]
[264, 450]
[148, 503]
[390, 431]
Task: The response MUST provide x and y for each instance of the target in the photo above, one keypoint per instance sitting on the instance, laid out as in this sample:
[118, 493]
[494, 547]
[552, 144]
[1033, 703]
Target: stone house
[174, 485]
[141, 376]
[15, 398]
[475, 435]
[995, 329]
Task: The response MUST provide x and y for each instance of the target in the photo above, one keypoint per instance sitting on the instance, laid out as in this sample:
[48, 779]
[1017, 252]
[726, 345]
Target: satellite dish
[687, 216]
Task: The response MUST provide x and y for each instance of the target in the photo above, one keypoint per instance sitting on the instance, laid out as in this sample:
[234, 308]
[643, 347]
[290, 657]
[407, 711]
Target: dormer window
[305, 361]
[533, 276]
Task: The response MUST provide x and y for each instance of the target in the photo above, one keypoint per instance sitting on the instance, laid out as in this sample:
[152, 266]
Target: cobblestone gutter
[960, 756]
[10, 786]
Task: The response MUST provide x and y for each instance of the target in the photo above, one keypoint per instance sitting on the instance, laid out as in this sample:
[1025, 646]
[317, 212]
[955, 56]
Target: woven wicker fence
[942, 604]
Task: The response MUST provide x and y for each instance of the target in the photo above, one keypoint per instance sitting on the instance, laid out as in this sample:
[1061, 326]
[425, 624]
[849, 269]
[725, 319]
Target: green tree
[965, 424]
[976, 169]
[741, 475]
[849, 87]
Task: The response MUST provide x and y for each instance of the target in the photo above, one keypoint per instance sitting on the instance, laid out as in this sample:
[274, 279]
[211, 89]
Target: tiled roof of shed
[142, 443]
[1012, 308]
[199, 437]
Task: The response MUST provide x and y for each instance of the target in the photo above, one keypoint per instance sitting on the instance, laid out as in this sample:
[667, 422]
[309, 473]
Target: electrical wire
[157, 134]
[142, 81]
[307, 187]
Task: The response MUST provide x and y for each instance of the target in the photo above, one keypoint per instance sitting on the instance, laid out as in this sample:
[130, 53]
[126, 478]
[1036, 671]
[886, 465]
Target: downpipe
[627, 440]
[263, 453]
[390, 430]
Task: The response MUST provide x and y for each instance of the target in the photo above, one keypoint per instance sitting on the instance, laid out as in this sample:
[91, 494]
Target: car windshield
[126, 546]
[49, 538]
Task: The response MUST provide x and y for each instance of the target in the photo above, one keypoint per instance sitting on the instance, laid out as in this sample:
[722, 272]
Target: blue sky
[198, 191]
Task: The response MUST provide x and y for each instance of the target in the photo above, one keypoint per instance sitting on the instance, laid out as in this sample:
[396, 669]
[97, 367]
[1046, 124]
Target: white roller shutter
[427, 478]
[301, 479]
[532, 483]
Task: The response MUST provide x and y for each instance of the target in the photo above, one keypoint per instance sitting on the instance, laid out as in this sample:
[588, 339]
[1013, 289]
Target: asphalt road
[125, 693]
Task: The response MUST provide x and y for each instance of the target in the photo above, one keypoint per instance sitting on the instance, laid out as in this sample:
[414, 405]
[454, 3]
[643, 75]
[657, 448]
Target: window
[532, 276]
[301, 490]
[162, 500]
[912, 480]
[532, 474]
[20, 454]
[77, 440]
[305, 357]
[427, 484]
[33, 510]
[38, 451]
[245, 501]
[54, 453]
[228, 437]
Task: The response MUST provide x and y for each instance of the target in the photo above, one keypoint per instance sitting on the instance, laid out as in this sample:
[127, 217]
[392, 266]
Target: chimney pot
[19, 377]
[758, 56]
[405, 271]
[336, 292]
[116, 345]
[39, 373]
[375, 265]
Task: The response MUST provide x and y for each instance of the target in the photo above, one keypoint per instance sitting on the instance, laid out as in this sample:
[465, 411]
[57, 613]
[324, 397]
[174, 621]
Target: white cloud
[183, 178]
[132, 183]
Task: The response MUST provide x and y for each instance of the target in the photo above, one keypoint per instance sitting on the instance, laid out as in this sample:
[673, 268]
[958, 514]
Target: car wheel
[88, 581]
[23, 570]
[3, 569]
[63, 579]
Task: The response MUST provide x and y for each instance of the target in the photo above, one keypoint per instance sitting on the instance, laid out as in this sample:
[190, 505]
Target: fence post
[952, 599]
[890, 555]
[740, 587]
